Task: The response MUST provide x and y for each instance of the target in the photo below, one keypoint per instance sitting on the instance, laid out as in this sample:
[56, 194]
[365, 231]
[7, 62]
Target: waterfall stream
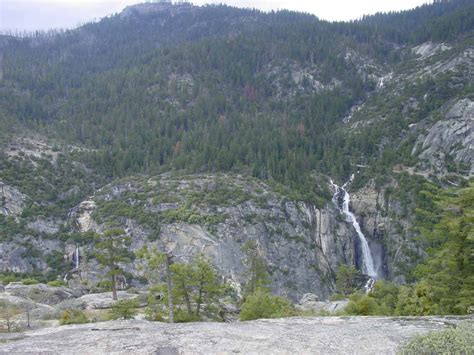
[368, 261]
[76, 261]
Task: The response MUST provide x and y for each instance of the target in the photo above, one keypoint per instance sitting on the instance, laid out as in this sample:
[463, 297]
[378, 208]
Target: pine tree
[113, 250]
[257, 273]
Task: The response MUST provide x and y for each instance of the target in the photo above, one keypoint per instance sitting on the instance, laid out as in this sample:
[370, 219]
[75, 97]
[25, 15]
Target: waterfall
[368, 261]
[76, 261]
[75, 264]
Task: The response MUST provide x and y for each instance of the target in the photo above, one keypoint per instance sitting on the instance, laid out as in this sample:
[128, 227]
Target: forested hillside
[179, 88]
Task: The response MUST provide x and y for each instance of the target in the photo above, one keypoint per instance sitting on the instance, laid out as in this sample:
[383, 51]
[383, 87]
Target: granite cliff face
[216, 215]
[12, 200]
[448, 144]
[212, 214]
[390, 235]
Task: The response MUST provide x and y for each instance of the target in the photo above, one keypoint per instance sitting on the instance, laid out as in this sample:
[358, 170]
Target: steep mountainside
[206, 127]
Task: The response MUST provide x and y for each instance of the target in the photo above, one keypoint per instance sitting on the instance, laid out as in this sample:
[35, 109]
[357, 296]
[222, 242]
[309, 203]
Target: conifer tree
[112, 250]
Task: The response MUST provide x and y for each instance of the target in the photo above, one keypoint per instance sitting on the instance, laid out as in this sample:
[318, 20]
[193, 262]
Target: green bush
[73, 317]
[104, 286]
[29, 281]
[182, 316]
[381, 301]
[262, 304]
[56, 283]
[362, 305]
[124, 309]
[155, 310]
[7, 279]
[346, 279]
[337, 297]
[450, 341]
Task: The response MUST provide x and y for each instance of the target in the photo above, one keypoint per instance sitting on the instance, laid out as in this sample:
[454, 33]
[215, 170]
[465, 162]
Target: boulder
[104, 300]
[310, 302]
[309, 299]
[42, 293]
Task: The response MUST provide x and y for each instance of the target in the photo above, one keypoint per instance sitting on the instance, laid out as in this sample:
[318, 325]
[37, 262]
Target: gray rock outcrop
[450, 139]
[326, 335]
[310, 302]
[42, 293]
[12, 201]
[103, 300]
[302, 245]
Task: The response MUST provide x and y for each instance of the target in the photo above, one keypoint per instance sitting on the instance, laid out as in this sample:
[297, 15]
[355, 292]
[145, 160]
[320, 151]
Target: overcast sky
[46, 14]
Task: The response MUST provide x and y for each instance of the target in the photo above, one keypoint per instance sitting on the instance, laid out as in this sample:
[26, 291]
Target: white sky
[46, 14]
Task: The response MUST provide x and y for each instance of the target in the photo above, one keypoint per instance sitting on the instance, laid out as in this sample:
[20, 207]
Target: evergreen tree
[112, 250]
[257, 273]
[346, 279]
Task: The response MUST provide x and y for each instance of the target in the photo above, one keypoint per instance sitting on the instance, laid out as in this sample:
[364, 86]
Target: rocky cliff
[216, 215]
[212, 214]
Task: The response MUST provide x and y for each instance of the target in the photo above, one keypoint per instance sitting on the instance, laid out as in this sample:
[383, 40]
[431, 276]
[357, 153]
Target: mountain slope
[232, 95]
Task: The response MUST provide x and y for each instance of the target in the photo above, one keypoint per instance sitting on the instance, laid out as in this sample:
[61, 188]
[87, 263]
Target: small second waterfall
[368, 261]
[76, 258]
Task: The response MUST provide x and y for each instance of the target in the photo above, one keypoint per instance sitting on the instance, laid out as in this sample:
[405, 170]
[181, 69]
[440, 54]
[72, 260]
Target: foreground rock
[310, 302]
[103, 300]
[334, 335]
[42, 293]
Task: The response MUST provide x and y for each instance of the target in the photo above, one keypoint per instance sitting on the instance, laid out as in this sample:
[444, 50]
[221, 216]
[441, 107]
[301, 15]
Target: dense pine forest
[148, 93]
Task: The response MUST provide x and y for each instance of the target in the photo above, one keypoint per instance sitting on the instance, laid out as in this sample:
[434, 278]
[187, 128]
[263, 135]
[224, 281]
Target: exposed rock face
[429, 49]
[153, 8]
[42, 293]
[103, 300]
[327, 335]
[12, 201]
[13, 258]
[81, 215]
[211, 214]
[443, 64]
[46, 226]
[302, 245]
[387, 235]
[451, 138]
[24, 253]
[310, 302]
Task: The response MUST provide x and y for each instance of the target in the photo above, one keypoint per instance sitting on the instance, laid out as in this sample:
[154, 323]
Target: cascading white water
[368, 261]
[76, 261]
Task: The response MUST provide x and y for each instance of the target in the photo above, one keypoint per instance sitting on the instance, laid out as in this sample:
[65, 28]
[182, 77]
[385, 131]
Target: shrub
[362, 305]
[337, 297]
[262, 304]
[29, 281]
[155, 310]
[56, 283]
[450, 341]
[124, 309]
[104, 286]
[346, 279]
[382, 300]
[7, 279]
[73, 317]
[181, 316]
